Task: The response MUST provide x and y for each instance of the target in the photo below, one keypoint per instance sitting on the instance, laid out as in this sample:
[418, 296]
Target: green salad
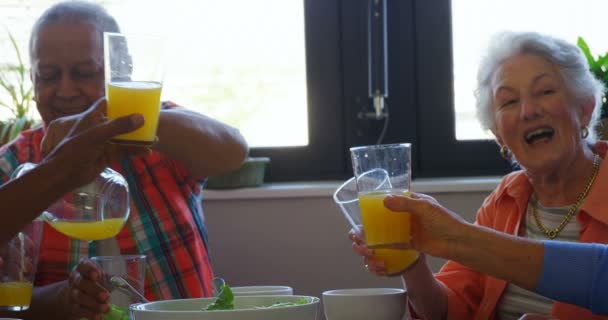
[225, 301]
[116, 313]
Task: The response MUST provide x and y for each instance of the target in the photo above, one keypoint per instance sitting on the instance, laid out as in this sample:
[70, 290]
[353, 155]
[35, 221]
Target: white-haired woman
[537, 96]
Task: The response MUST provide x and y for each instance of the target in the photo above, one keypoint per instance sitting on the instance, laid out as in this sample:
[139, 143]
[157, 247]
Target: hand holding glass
[134, 74]
[379, 170]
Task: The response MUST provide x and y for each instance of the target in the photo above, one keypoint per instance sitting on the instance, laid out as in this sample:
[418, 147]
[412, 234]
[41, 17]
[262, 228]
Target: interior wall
[299, 242]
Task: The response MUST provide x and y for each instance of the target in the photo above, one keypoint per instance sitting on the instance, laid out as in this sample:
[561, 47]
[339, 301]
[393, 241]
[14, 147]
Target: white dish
[262, 291]
[364, 304]
[245, 309]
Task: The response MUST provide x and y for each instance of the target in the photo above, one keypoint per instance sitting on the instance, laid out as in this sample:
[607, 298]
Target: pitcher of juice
[379, 170]
[95, 211]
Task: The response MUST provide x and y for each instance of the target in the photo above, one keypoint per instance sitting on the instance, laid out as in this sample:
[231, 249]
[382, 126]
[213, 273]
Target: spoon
[120, 284]
[217, 284]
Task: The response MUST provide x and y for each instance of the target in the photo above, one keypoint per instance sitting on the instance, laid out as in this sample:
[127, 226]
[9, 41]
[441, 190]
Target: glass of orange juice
[379, 170]
[18, 267]
[134, 71]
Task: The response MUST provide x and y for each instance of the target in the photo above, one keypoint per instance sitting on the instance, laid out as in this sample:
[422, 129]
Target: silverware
[120, 284]
[217, 284]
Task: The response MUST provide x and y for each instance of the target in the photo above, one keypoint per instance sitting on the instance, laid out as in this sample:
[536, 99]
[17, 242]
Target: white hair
[568, 58]
[74, 11]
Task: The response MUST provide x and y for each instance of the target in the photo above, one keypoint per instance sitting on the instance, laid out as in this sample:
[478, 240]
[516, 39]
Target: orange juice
[125, 98]
[384, 227]
[15, 294]
[89, 230]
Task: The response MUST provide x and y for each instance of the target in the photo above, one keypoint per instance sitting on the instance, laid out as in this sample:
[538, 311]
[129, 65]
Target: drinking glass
[380, 170]
[18, 267]
[134, 75]
[131, 268]
[95, 211]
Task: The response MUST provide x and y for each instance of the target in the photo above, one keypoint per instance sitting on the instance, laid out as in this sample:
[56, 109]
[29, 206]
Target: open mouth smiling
[539, 134]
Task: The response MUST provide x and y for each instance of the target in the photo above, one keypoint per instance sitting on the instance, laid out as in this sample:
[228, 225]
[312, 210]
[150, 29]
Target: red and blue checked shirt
[166, 224]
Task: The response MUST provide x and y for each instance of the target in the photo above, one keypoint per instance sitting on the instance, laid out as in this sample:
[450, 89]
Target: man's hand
[79, 144]
[86, 297]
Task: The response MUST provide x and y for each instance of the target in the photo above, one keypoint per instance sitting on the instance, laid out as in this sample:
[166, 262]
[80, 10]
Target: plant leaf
[585, 48]
[18, 126]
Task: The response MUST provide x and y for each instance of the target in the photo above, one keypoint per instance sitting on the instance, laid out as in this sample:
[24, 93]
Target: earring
[504, 152]
[584, 132]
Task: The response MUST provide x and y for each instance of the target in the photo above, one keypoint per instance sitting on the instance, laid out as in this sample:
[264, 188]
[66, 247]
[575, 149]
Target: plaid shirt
[166, 224]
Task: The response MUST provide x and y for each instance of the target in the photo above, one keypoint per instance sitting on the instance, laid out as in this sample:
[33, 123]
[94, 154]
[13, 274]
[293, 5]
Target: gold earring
[504, 152]
[584, 132]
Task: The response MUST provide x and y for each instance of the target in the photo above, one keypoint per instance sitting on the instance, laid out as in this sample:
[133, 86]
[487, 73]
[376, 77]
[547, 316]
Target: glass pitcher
[95, 211]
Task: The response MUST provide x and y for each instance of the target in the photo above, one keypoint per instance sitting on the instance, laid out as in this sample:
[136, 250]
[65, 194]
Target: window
[565, 19]
[258, 66]
[292, 75]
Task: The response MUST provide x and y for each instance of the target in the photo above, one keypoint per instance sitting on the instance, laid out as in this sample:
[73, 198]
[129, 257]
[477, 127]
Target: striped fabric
[166, 224]
[515, 300]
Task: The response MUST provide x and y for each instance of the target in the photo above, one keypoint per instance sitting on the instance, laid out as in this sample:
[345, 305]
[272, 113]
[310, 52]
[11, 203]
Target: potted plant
[599, 67]
[16, 96]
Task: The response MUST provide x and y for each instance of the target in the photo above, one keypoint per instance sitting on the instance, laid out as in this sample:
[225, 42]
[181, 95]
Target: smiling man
[166, 222]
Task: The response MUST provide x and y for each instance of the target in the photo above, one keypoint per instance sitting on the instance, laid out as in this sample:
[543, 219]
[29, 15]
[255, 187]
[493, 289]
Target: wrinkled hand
[434, 230]
[86, 297]
[360, 247]
[79, 144]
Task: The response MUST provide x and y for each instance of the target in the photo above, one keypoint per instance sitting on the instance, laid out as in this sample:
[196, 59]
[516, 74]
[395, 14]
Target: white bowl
[262, 291]
[365, 304]
[191, 309]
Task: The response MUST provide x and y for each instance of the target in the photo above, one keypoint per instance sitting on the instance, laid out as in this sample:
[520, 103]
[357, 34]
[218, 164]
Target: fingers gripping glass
[346, 195]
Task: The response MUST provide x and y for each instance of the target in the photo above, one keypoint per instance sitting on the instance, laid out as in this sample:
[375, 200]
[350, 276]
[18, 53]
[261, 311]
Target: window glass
[239, 61]
[475, 21]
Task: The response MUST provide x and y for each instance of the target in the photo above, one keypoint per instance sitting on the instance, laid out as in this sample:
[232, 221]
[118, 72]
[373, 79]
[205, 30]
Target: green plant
[14, 81]
[599, 67]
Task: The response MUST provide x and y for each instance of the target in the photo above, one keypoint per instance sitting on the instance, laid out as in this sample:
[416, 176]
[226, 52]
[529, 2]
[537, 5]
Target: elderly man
[166, 222]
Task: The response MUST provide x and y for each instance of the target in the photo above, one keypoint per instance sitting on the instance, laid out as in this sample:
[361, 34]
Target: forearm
[23, 199]
[582, 270]
[425, 293]
[514, 259]
[206, 147]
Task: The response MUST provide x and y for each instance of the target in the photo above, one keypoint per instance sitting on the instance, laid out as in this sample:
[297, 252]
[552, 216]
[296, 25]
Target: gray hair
[74, 11]
[568, 58]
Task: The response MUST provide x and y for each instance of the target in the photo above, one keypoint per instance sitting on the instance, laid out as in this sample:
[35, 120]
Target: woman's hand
[86, 297]
[374, 266]
[435, 229]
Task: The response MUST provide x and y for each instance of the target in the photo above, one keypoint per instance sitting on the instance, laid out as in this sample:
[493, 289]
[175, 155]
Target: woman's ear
[497, 137]
[586, 111]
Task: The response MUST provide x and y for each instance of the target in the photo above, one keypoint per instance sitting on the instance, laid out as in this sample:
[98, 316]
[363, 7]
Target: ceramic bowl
[365, 304]
[262, 291]
[245, 308]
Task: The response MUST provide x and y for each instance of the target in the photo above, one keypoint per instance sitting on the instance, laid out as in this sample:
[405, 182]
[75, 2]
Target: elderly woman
[538, 98]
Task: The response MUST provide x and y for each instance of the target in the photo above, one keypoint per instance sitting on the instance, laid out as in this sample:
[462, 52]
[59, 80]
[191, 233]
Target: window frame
[420, 101]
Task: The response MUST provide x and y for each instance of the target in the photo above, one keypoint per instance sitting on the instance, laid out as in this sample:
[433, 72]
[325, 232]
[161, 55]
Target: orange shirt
[474, 295]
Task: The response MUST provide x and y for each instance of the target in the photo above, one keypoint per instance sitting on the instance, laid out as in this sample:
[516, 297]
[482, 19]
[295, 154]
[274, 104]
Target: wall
[299, 239]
